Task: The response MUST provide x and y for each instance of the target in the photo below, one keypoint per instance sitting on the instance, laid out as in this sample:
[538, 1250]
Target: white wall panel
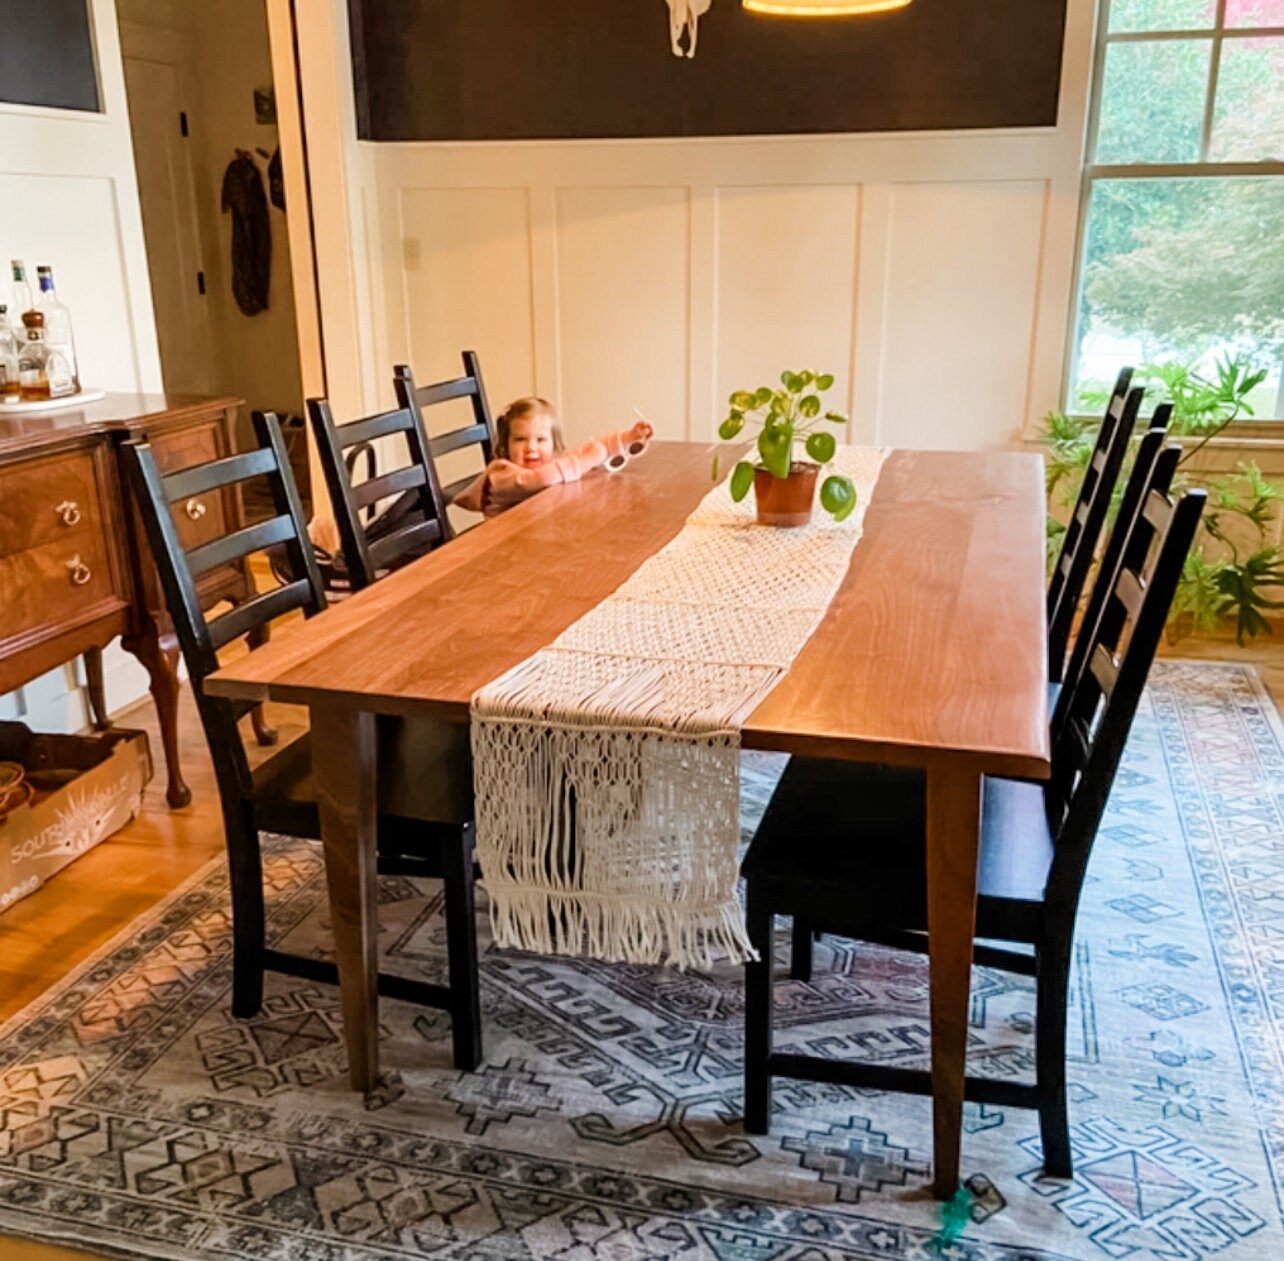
[622, 308]
[962, 266]
[786, 280]
[467, 277]
[75, 217]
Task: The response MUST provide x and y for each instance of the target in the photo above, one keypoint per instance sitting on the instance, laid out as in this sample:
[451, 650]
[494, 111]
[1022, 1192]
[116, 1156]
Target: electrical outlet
[410, 253]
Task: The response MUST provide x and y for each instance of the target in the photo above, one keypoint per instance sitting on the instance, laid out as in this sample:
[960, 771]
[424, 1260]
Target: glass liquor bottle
[22, 302]
[58, 333]
[8, 358]
[43, 371]
[33, 385]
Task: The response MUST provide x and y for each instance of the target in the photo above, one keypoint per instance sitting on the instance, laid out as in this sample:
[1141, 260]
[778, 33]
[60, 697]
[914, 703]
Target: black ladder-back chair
[1143, 477]
[481, 433]
[842, 845]
[1079, 544]
[413, 525]
[278, 795]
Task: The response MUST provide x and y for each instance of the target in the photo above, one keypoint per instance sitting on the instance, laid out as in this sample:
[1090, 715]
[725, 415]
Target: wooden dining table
[932, 654]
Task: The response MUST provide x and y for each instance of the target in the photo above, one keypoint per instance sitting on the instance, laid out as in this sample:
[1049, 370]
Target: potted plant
[785, 487]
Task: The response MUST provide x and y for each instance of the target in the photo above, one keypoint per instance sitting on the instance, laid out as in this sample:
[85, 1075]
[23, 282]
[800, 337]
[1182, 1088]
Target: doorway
[203, 119]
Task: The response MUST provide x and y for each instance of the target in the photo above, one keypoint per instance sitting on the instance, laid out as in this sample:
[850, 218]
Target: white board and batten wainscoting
[930, 272]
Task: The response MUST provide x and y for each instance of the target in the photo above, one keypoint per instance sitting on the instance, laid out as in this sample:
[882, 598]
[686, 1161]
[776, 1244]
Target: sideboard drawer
[47, 501]
[57, 584]
[203, 517]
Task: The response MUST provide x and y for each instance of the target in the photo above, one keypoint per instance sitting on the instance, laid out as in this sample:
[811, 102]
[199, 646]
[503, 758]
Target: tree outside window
[1183, 237]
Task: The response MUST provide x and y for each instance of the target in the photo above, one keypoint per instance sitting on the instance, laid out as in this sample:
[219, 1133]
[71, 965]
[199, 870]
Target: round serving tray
[67, 402]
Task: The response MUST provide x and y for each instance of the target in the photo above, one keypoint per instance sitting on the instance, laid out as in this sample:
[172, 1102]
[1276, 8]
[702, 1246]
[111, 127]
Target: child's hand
[641, 432]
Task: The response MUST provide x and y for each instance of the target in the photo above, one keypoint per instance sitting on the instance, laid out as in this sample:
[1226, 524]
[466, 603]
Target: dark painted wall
[47, 54]
[522, 69]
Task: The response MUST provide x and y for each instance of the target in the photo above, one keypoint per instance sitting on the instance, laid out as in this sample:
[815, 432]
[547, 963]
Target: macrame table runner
[606, 766]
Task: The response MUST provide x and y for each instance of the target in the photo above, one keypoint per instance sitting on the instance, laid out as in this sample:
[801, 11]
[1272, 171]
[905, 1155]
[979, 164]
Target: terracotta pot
[785, 501]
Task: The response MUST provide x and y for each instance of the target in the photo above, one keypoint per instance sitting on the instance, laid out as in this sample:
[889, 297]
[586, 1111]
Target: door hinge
[200, 282]
[182, 122]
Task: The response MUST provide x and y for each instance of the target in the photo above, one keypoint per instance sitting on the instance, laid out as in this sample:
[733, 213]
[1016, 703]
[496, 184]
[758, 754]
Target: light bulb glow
[822, 8]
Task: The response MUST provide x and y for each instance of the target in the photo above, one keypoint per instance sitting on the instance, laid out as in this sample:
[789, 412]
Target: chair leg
[461, 942]
[1050, 1057]
[758, 979]
[245, 865]
[800, 950]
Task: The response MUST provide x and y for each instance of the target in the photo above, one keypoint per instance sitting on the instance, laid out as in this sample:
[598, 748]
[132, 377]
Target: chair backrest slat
[457, 439]
[384, 425]
[253, 538]
[203, 478]
[373, 489]
[200, 638]
[1079, 544]
[414, 540]
[264, 607]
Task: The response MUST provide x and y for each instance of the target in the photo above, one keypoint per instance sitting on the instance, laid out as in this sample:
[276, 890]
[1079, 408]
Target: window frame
[1217, 35]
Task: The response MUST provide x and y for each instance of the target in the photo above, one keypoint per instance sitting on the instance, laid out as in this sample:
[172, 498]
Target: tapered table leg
[953, 834]
[343, 766]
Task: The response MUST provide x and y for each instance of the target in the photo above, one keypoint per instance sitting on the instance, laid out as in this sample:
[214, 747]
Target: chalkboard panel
[527, 69]
[47, 54]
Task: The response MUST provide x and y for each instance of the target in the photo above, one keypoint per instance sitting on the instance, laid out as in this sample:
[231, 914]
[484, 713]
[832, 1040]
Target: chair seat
[846, 842]
[425, 787]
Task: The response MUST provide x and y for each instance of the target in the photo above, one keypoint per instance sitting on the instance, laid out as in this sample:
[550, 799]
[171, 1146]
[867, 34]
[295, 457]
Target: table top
[933, 649]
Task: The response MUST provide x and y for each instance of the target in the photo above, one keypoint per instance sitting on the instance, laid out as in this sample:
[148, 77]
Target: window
[1183, 232]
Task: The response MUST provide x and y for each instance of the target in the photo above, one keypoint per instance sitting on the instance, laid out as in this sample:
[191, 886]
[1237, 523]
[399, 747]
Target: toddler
[530, 455]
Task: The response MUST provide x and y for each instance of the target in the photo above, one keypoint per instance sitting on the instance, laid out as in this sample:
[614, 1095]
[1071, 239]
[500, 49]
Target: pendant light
[822, 8]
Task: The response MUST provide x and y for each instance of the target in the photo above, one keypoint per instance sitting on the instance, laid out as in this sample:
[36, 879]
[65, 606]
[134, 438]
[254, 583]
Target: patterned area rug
[139, 1119]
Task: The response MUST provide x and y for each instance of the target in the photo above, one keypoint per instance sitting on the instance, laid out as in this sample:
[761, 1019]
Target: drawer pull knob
[68, 512]
[78, 571]
[195, 509]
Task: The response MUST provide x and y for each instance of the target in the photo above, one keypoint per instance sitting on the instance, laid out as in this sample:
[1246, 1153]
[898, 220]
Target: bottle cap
[33, 319]
[44, 270]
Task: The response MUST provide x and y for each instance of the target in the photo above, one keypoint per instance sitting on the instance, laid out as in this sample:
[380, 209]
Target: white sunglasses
[615, 463]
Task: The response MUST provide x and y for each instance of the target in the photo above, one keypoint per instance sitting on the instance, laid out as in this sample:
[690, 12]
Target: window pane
[1248, 122]
[1162, 15]
[1152, 101]
[1255, 12]
[1185, 269]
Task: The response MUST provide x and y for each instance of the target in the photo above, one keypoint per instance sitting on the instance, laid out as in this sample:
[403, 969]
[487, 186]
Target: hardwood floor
[45, 936]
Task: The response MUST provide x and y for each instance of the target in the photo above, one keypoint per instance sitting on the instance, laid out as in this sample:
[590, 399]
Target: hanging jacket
[243, 195]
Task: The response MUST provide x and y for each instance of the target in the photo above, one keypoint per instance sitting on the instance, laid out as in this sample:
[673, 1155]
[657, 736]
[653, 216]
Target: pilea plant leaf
[741, 480]
[838, 497]
[731, 426]
[776, 448]
[763, 396]
[821, 447]
[825, 381]
[742, 400]
[836, 417]
[809, 406]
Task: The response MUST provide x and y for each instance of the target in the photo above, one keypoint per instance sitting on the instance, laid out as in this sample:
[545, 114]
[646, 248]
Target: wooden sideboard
[75, 569]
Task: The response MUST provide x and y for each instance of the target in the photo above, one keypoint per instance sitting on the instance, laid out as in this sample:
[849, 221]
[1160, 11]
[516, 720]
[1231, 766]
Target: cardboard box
[85, 789]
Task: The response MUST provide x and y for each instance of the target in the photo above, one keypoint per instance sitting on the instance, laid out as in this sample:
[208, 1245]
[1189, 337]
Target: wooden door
[154, 84]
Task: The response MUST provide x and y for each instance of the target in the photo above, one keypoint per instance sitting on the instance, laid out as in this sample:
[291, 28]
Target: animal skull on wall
[683, 16]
